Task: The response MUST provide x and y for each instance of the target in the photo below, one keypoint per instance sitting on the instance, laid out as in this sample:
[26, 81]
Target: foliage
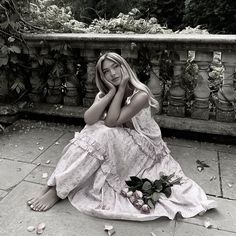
[217, 16]
[51, 16]
[87, 11]
[168, 13]
[151, 190]
[127, 23]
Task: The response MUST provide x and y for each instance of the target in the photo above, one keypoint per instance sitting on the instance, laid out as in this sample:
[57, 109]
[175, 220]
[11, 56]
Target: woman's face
[112, 72]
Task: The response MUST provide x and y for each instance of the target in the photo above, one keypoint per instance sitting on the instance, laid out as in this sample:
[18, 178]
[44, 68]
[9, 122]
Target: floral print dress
[98, 160]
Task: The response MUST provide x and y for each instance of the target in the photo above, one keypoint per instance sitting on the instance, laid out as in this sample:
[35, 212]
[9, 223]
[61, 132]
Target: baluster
[226, 94]
[36, 82]
[90, 84]
[155, 84]
[200, 106]
[71, 97]
[130, 54]
[54, 82]
[4, 91]
[176, 106]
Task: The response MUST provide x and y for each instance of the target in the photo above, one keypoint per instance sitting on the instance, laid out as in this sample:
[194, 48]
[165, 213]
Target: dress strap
[128, 99]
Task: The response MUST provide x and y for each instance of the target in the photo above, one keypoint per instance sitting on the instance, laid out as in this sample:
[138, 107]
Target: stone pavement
[25, 144]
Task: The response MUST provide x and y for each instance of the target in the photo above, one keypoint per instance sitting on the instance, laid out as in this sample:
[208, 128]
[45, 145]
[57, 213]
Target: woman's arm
[118, 115]
[94, 113]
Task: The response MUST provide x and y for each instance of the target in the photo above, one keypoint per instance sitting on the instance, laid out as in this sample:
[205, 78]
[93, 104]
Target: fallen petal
[108, 227]
[45, 175]
[41, 148]
[230, 185]
[56, 143]
[48, 161]
[207, 224]
[152, 234]
[199, 168]
[30, 228]
[40, 228]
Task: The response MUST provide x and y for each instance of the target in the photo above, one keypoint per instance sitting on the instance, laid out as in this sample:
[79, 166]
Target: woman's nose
[113, 72]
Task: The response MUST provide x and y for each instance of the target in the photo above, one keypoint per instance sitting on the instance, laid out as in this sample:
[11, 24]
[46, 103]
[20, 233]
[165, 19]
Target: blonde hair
[100, 77]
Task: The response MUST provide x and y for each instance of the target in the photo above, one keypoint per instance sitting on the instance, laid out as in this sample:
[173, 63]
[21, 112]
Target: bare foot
[40, 194]
[46, 201]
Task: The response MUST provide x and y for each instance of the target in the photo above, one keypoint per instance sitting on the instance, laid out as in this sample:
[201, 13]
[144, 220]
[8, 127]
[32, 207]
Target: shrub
[217, 16]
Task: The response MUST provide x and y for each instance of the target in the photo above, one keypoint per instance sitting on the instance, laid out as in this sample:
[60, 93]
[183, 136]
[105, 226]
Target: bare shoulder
[141, 98]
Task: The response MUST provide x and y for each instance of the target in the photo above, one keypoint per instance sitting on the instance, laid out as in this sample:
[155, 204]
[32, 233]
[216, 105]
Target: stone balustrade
[202, 110]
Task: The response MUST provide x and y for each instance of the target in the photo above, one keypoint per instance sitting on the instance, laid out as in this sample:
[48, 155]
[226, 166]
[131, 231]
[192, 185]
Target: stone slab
[165, 121]
[222, 218]
[187, 158]
[3, 194]
[54, 153]
[219, 147]
[36, 176]
[200, 126]
[63, 219]
[182, 142]
[27, 143]
[184, 229]
[12, 172]
[228, 174]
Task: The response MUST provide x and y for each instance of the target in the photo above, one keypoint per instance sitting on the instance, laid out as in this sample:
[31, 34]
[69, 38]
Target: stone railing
[219, 118]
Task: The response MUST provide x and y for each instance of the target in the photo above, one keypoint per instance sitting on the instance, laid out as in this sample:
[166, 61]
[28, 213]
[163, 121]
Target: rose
[145, 209]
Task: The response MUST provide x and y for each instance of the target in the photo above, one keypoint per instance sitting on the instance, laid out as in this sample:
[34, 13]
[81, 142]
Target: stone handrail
[89, 46]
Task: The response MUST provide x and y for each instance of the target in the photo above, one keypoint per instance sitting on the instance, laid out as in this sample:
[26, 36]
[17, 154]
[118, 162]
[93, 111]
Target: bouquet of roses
[144, 194]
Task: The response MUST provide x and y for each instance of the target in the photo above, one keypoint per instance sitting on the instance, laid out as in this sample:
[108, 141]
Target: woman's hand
[125, 77]
[110, 86]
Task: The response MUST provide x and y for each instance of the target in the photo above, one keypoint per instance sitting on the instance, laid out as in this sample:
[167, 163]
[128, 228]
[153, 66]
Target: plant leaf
[156, 196]
[147, 186]
[135, 179]
[167, 191]
[150, 204]
[158, 185]
[130, 183]
[15, 49]
[3, 61]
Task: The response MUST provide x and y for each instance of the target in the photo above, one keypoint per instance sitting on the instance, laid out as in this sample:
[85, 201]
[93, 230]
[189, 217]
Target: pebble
[48, 161]
[30, 228]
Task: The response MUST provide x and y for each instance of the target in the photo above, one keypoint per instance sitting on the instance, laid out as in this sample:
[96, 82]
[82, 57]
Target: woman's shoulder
[141, 97]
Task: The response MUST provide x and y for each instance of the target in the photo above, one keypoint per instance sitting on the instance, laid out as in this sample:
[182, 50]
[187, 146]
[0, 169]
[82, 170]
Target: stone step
[164, 121]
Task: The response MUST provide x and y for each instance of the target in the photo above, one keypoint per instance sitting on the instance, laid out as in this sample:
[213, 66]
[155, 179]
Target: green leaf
[147, 186]
[156, 196]
[15, 49]
[4, 50]
[135, 179]
[158, 185]
[150, 204]
[130, 183]
[4, 25]
[3, 61]
[167, 191]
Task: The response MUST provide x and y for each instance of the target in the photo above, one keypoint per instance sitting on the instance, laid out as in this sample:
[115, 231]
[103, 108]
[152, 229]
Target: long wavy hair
[116, 58]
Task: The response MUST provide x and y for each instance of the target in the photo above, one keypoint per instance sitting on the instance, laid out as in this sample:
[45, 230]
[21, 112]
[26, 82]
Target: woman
[121, 139]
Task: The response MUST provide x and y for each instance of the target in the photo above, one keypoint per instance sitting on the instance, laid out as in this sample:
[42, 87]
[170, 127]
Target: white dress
[98, 160]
